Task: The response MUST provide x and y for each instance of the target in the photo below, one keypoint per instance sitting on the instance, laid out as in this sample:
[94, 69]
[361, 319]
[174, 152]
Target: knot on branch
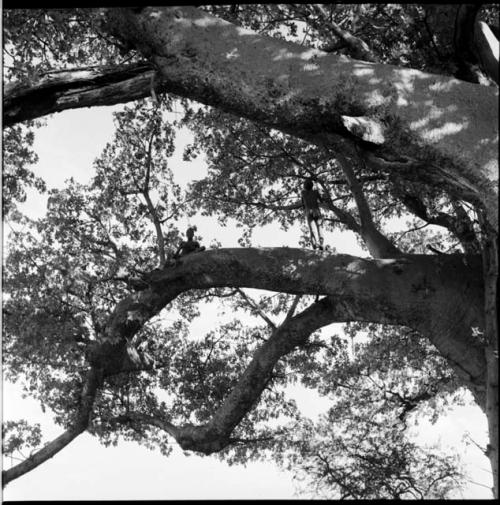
[365, 128]
[202, 439]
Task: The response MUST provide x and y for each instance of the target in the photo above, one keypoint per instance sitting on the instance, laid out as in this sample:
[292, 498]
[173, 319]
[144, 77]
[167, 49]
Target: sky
[85, 470]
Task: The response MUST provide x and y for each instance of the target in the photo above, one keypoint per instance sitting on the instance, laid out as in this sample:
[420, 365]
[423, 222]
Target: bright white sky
[86, 470]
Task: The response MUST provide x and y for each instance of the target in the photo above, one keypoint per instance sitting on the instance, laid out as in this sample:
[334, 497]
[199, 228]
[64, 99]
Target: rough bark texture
[439, 296]
[74, 89]
[490, 262]
[428, 127]
[441, 126]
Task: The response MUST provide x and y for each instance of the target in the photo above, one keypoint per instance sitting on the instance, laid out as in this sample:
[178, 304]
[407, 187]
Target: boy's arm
[179, 249]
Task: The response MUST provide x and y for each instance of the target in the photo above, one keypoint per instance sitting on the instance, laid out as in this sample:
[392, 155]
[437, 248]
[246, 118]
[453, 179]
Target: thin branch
[78, 426]
[261, 205]
[358, 48]
[292, 308]
[253, 305]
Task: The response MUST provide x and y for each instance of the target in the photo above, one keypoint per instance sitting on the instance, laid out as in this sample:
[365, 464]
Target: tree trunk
[490, 262]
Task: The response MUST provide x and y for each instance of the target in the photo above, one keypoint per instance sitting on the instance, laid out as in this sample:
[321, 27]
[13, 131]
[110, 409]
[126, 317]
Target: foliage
[66, 272]
[17, 155]
[363, 447]
[39, 41]
[18, 435]
[255, 175]
[339, 458]
[409, 35]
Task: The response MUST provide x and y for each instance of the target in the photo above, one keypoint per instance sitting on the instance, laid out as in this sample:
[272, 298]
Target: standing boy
[310, 202]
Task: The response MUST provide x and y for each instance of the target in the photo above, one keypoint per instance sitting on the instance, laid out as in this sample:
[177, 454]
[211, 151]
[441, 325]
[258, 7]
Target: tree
[378, 138]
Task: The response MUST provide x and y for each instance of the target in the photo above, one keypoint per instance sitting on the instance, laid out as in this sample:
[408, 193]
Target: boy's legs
[318, 228]
[313, 238]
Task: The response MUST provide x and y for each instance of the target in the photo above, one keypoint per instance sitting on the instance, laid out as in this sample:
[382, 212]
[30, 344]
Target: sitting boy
[189, 246]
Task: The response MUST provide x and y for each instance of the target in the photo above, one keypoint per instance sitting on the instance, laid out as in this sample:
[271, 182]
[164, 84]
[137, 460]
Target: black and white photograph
[250, 251]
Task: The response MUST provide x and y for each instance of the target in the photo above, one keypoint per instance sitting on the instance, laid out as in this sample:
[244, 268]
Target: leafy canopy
[65, 272]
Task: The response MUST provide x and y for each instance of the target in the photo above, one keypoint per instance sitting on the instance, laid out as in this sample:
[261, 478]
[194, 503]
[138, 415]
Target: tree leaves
[66, 273]
[17, 177]
[19, 435]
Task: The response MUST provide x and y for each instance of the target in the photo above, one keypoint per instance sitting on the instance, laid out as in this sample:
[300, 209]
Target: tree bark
[377, 243]
[72, 89]
[422, 118]
[438, 296]
[428, 127]
[490, 265]
[441, 297]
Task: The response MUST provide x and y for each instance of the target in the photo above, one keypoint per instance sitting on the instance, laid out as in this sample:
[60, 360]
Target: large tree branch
[475, 44]
[323, 98]
[422, 292]
[487, 49]
[294, 331]
[72, 89]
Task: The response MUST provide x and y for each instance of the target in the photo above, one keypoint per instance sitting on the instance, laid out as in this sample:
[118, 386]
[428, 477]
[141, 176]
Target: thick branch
[490, 262]
[309, 93]
[475, 44]
[74, 89]
[422, 292]
[294, 331]
[487, 49]
[378, 244]
[216, 434]
[306, 93]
